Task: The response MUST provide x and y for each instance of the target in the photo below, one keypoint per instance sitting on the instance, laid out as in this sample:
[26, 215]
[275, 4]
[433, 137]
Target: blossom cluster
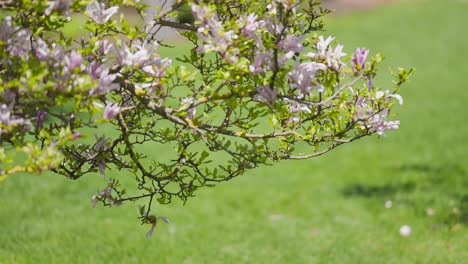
[213, 35]
[15, 38]
[70, 66]
[306, 76]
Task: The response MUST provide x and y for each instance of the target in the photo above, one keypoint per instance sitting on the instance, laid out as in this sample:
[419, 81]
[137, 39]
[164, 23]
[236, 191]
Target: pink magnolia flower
[359, 59]
[101, 142]
[106, 80]
[250, 25]
[106, 193]
[379, 124]
[111, 110]
[41, 50]
[59, 5]
[6, 29]
[102, 167]
[98, 12]
[375, 122]
[94, 69]
[57, 52]
[362, 108]
[154, 222]
[296, 108]
[215, 38]
[40, 117]
[262, 62]
[143, 54]
[73, 60]
[273, 26]
[158, 68]
[303, 74]
[370, 83]
[53, 55]
[17, 40]
[266, 95]
[76, 135]
[104, 46]
[291, 43]
[325, 52]
[20, 44]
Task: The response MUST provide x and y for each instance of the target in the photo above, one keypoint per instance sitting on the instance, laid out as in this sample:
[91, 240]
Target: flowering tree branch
[257, 86]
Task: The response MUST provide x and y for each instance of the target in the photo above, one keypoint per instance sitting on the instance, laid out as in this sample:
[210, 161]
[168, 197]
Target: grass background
[326, 210]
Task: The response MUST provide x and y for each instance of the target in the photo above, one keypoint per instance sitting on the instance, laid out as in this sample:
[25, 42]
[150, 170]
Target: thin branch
[177, 25]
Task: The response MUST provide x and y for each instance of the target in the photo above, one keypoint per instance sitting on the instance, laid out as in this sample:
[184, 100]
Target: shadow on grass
[368, 190]
[431, 184]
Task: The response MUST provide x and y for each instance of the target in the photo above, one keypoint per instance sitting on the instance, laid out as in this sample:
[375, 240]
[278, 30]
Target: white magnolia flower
[387, 95]
[397, 97]
[272, 10]
[334, 56]
[321, 47]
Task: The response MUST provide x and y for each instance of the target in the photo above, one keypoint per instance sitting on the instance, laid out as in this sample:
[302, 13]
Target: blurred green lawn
[326, 210]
